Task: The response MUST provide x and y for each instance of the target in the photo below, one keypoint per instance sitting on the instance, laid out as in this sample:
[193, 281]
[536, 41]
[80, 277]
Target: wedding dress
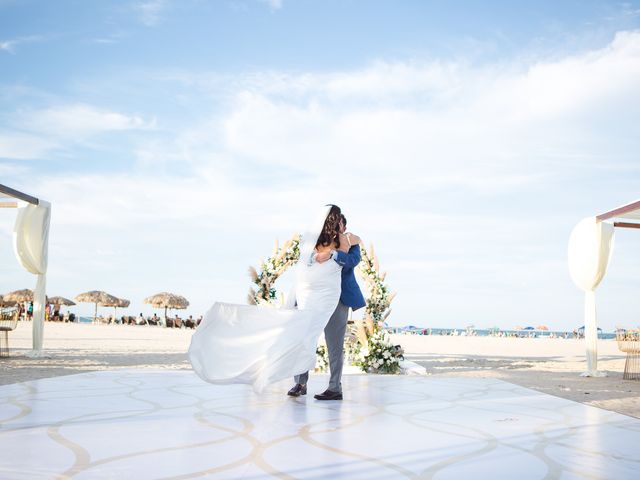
[259, 345]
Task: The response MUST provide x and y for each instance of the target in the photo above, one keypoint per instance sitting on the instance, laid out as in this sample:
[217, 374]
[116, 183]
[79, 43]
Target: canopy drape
[31, 246]
[590, 248]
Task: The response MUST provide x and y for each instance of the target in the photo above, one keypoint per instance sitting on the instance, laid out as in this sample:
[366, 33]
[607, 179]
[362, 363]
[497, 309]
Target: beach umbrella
[167, 300]
[6, 303]
[61, 301]
[582, 328]
[542, 327]
[98, 297]
[528, 328]
[19, 296]
[118, 303]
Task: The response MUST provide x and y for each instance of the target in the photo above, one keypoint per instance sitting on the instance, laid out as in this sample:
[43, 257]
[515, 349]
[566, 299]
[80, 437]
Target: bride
[260, 345]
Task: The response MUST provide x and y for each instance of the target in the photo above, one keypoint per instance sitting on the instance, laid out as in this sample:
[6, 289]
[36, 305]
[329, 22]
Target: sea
[477, 332]
[492, 332]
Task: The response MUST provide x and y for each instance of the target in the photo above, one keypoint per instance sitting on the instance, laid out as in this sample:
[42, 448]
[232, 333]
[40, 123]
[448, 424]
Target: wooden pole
[19, 195]
[626, 225]
[8, 204]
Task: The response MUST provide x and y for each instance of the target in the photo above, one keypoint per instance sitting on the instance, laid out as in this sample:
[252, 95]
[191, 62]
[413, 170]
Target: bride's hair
[331, 228]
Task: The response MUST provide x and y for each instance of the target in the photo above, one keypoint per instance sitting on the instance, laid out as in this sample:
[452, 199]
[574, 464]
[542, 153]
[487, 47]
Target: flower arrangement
[379, 355]
[270, 270]
[322, 359]
[378, 296]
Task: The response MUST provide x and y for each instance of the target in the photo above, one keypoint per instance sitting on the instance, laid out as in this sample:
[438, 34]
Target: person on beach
[260, 345]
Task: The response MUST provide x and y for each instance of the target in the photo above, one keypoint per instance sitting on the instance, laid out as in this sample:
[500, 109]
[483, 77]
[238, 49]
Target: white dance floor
[144, 424]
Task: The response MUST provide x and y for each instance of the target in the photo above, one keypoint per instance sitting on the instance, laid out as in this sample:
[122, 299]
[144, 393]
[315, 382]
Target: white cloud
[9, 46]
[150, 11]
[22, 146]
[273, 4]
[78, 120]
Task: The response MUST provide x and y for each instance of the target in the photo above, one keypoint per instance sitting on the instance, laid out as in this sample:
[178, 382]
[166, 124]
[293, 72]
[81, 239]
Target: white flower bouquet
[379, 355]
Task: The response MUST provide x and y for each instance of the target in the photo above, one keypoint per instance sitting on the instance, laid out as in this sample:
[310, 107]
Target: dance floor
[145, 424]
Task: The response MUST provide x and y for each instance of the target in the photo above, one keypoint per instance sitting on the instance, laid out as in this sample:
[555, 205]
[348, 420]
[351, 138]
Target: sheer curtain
[31, 245]
[590, 248]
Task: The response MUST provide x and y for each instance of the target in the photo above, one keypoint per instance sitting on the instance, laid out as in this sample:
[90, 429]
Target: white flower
[386, 354]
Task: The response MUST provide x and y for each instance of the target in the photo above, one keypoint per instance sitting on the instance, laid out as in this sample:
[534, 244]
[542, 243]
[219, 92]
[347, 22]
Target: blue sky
[177, 140]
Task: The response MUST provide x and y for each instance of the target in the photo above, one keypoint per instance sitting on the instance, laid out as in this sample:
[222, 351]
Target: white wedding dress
[260, 345]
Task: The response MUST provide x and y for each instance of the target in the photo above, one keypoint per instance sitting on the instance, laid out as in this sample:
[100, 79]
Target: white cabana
[31, 246]
[590, 248]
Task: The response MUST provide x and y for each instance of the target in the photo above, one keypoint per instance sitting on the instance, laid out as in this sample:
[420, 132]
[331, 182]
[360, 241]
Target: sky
[177, 140]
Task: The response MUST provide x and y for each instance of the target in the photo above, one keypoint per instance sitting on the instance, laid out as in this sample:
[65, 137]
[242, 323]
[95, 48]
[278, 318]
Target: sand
[551, 366]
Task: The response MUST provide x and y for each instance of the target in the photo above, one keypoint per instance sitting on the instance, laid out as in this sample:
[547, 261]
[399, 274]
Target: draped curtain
[590, 248]
[31, 245]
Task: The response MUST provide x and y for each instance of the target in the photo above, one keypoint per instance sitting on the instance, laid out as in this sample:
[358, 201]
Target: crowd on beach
[53, 313]
[169, 322]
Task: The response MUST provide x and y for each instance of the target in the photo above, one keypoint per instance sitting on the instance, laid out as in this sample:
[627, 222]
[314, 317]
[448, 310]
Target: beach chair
[8, 322]
[629, 342]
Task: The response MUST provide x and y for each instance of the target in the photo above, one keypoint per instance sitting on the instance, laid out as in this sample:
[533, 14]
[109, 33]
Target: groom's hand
[344, 243]
[355, 239]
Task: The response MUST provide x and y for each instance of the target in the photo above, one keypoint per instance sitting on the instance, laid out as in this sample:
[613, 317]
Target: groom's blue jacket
[351, 295]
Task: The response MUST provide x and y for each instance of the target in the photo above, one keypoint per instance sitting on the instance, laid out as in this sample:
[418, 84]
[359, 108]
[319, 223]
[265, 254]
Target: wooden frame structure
[630, 211]
[10, 192]
[628, 342]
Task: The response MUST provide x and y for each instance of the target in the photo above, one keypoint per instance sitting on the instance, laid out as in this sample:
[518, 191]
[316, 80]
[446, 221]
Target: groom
[350, 297]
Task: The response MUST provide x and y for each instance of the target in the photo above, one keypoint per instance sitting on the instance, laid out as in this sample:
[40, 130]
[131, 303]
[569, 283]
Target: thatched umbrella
[118, 303]
[98, 297]
[167, 300]
[19, 296]
[61, 301]
[6, 303]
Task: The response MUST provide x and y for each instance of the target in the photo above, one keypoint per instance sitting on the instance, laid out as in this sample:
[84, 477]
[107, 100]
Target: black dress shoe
[328, 395]
[297, 390]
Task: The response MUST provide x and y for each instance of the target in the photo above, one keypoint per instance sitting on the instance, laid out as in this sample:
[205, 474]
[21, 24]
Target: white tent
[590, 248]
[31, 246]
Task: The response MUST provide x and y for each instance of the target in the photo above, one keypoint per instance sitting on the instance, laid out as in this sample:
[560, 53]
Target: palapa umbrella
[19, 296]
[118, 303]
[167, 300]
[61, 301]
[6, 303]
[98, 297]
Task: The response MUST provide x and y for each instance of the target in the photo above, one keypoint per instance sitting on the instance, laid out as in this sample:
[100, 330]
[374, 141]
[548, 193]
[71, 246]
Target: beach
[551, 366]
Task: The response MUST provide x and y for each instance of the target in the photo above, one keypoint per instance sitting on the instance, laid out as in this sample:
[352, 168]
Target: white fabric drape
[31, 245]
[590, 248]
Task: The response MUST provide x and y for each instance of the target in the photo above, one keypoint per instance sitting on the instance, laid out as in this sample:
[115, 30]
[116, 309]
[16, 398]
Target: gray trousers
[334, 336]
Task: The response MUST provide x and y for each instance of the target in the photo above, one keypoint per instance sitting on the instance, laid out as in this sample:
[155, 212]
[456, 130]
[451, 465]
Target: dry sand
[551, 366]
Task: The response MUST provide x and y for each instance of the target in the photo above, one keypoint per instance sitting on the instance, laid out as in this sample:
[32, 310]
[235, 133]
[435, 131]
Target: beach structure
[59, 301]
[99, 298]
[167, 300]
[589, 253]
[119, 303]
[31, 246]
